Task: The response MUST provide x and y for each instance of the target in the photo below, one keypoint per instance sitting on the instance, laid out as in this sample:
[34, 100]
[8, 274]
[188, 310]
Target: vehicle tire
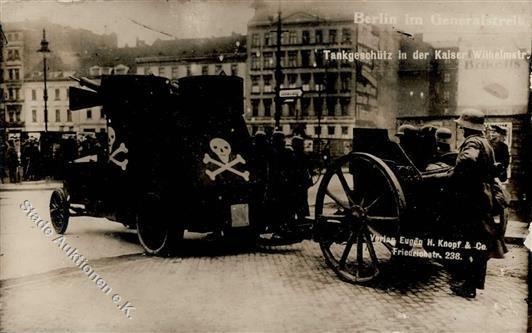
[358, 209]
[59, 210]
[158, 232]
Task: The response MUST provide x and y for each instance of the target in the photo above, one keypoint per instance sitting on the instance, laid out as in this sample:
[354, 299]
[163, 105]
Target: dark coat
[472, 180]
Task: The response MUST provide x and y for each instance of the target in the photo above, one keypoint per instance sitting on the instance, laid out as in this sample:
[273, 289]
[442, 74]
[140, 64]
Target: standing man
[12, 161]
[302, 178]
[502, 154]
[471, 181]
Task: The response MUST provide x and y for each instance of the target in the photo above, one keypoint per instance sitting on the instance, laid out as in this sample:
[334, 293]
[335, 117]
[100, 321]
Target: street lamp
[45, 50]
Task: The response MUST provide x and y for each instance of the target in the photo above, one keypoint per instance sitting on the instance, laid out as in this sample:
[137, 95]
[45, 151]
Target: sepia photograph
[265, 165]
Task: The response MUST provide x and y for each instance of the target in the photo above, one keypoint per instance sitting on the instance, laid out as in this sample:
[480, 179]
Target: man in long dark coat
[473, 224]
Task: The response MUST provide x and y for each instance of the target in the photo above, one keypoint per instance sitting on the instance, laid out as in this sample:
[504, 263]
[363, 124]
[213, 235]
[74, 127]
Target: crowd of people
[38, 159]
[284, 174]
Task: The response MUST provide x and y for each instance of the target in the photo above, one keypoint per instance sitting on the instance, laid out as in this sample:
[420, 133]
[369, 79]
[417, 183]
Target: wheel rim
[359, 200]
[152, 229]
[58, 211]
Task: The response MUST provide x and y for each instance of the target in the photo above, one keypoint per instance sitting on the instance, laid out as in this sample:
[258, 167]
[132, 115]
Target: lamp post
[45, 50]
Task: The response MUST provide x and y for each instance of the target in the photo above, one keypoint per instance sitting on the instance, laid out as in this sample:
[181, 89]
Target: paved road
[213, 289]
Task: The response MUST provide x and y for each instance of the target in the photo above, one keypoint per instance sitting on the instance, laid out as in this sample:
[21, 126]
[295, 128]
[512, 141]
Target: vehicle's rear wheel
[59, 210]
[159, 234]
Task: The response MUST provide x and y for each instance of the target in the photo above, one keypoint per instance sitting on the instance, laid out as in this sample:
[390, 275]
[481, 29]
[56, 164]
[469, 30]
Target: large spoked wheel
[358, 209]
[59, 210]
[158, 233]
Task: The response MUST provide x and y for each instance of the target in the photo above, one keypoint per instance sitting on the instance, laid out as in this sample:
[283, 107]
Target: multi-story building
[13, 78]
[338, 93]
[3, 41]
[212, 56]
[60, 118]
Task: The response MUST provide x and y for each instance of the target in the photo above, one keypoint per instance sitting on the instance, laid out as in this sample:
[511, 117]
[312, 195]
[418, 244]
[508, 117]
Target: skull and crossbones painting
[121, 149]
[222, 149]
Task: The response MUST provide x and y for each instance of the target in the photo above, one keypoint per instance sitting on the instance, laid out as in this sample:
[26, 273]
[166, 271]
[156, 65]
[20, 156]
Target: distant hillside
[67, 44]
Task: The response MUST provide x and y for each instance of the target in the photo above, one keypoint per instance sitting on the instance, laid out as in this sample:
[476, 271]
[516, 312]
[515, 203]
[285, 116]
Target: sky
[130, 19]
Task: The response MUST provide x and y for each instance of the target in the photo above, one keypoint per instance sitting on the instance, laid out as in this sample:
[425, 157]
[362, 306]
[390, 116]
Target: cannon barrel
[84, 82]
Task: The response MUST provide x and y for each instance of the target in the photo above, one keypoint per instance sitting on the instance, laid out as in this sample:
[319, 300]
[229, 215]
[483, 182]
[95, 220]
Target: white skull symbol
[111, 137]
[221, 148]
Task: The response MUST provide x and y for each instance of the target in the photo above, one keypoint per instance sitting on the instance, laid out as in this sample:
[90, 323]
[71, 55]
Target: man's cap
[260, 133]
[443, 135]
[471, 119]
[498, 129]
[406, 130]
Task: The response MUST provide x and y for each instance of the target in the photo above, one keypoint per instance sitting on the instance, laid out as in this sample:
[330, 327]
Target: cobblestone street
[288, 288]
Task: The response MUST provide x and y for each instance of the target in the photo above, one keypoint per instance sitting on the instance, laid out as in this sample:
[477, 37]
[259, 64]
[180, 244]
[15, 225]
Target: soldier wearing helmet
[408, 139]
[502, 154]
[471, 181]
[443, 140]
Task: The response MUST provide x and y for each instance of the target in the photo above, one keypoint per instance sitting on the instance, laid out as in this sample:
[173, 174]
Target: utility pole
[278, 74]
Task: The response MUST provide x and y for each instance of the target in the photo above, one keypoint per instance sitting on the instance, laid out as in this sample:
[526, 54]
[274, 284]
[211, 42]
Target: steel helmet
[472, 119]
[443, 135]
[406, 129]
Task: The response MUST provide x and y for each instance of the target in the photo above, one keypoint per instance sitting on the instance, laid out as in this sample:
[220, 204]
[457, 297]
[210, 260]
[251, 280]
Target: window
[267, 39]
[319, 36]
[318, 81]
[345, 81]
[205, 70]
[305, 58]
[446, 95]
[175, 72]
[57, 116]
[292, 59]
[234, 69]
[332, 36]
[33, 95]
[34, 116]
[293, 37]
[318, 58]
[305, 81]
[189, 70]
[291, 109]
[345, 130]
[254, 107]
[331, 130]
[331, 106]
[89, 114]
[102, 116]
[267, 107]
[255, 87]
[305, 104]
[255, 40]
[447, 77]
[344, 106]
[57, 94]
[255, 64]
[218, 69]
[162, 71]
[346, 36]
[331, 82]
[69, 116]
[268, 60]
[305, 37]
[292, 80]
[284, 38]
[267, 83]
[318, 106]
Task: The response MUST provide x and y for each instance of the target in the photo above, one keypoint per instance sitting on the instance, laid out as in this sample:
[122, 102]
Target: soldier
[302, 178]
[278, 192]
[408, 139]
[12, 161]
[502, 155]
[471, 181]
[443, 140]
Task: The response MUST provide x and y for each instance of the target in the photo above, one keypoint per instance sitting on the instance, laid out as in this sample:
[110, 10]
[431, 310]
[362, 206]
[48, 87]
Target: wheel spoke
[374, 202]
[347, 249]
[371, 249]
[342, 204]
[345, 186]
[382, 218]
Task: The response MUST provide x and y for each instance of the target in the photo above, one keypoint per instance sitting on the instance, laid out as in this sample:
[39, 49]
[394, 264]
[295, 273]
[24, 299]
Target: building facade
[60, 118]
[213, 56]
[12, 73]
[338, 93]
